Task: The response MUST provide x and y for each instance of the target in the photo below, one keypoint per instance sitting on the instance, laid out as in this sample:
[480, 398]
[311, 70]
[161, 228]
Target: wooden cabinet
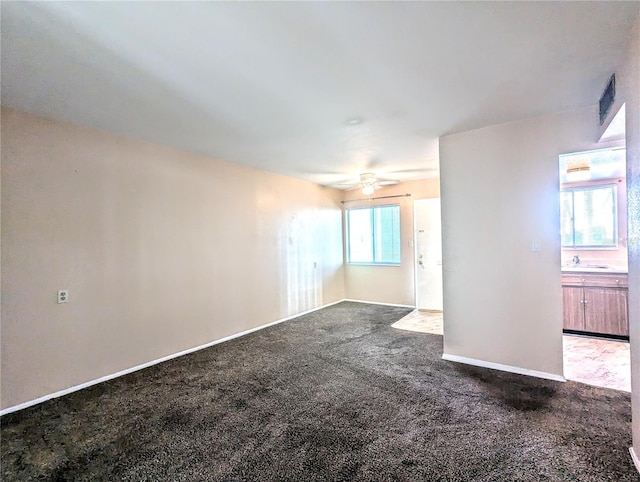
[573, 308]
[596, 303]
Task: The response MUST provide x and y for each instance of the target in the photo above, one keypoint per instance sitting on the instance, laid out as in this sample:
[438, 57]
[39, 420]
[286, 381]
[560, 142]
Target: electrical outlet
[63, 296]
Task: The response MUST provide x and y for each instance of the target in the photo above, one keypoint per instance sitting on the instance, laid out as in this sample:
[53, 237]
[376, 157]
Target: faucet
[576, 259]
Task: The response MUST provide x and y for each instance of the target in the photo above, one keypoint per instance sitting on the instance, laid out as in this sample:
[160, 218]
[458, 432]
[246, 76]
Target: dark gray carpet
[334, 395]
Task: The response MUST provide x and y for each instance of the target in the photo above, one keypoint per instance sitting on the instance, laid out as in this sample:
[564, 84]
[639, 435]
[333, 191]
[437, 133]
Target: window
[588, 217]
[373, 235]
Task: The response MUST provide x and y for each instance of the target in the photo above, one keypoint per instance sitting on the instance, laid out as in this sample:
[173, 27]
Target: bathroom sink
[593, 266]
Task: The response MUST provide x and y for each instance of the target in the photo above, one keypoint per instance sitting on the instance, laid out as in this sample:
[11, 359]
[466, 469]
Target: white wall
[390, 284]
[628, 92]
[632, 94]
[161, 250]
[500, 191]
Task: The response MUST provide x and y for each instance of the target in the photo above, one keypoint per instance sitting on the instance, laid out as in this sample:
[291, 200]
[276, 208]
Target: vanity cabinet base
[596, 304]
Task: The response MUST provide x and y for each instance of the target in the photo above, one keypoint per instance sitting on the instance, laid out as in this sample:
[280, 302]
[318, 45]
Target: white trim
[75, 388]
[634, 457]
[415, 253]
[504, 368]
[379, 303]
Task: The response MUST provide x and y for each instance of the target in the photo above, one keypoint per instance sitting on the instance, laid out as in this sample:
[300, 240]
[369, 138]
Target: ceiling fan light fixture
[367, 190]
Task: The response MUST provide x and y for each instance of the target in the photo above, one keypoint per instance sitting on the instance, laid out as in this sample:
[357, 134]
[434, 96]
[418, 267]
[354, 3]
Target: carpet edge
[126, 371]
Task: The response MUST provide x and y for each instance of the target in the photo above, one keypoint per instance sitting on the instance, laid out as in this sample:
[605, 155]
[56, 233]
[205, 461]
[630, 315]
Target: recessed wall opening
[427, 243]
[594, 265]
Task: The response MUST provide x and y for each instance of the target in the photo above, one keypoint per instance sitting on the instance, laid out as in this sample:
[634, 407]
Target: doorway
[428, 316]
[594, 267]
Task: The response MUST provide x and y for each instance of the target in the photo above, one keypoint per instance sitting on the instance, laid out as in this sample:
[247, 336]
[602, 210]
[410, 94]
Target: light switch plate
[535, 245]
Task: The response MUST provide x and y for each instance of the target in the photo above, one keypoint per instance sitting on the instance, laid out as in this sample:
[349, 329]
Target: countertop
[594, 269]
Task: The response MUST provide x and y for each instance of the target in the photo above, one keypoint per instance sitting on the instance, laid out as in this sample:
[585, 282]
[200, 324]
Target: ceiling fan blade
[387, 182]
[409, 171]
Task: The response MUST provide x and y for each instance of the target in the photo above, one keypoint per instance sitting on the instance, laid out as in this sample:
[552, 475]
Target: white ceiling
[274, 85]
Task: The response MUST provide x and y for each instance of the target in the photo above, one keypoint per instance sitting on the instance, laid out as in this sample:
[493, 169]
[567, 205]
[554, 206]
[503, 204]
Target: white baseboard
[504, 368]
[75, 388]
[634, 457]
[378, 303]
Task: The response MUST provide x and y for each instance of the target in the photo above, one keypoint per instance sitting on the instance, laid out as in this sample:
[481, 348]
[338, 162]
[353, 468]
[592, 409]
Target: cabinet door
[606, 311]
[572, 308]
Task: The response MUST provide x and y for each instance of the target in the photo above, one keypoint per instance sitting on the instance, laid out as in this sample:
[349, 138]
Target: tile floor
[594, 361]
[422, 321]
[597, 361]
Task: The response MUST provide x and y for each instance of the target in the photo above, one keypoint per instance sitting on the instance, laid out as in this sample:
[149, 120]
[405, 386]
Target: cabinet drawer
[603, 280]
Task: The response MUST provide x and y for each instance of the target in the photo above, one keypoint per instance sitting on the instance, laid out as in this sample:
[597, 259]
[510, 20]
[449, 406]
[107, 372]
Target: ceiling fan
[368, 182]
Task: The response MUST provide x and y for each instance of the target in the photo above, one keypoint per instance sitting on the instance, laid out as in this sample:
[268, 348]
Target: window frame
[374, 240]
[581, 188]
